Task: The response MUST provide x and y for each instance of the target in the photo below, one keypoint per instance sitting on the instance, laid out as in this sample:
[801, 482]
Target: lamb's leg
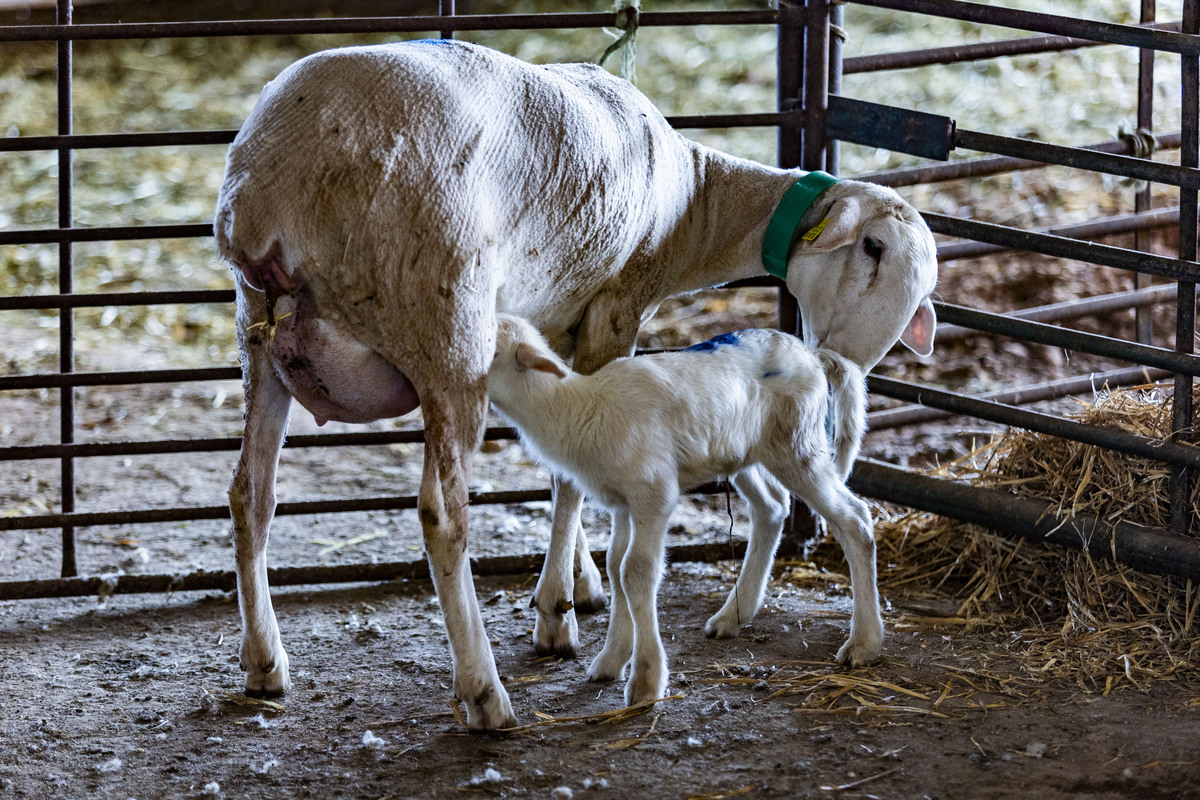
[252, 505]
[555, 631]
[641, 574]
[769, 503]
[609, 665]
[453, 429]
[608, 331]
[816, 482]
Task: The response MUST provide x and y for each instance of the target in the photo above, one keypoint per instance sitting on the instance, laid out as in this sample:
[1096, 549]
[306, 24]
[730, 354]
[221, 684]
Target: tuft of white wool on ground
[694, 742]
[490, 775]
[595, 783]
[214, 740]
[112, 765]
[266, 766]
[562, 793]
[262, 721]
[372, 742]
[213, 788]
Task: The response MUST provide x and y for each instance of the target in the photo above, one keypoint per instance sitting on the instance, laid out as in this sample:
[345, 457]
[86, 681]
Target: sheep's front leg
[609, 665]
[252, 504]
[641, 574]
[769, 503]
[454, 427]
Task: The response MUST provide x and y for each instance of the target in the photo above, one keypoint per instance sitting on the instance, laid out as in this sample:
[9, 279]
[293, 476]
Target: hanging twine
[628, 12]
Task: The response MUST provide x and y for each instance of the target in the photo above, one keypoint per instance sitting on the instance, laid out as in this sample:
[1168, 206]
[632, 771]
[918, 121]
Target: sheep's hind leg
[641, 574]
[609, 665]
[816, 482]
[454, 427]
[252, 504]
[769, 504]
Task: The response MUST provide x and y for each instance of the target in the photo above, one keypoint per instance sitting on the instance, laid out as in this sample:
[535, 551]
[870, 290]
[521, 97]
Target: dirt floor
[139, 699]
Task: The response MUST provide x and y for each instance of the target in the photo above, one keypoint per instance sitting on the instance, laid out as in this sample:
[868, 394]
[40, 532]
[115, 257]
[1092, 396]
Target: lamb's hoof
[859, 654]
[645, 689]
[560, 650]
[606, 667]
[719, 627]
[489, 710]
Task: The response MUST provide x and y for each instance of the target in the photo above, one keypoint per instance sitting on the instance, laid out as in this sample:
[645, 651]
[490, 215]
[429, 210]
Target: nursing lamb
[638, 431]
[380, 205]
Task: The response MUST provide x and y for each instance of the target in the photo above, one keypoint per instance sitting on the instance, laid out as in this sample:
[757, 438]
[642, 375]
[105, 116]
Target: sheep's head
[865, 279]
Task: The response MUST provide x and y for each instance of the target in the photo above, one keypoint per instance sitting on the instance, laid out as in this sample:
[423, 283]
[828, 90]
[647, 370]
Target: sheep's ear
[529, 358]
[918, 334]
[839, 228]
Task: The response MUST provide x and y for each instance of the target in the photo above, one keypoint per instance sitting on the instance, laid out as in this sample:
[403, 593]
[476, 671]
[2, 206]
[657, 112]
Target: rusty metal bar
[226, 581]
[994, 165]
[102, 299]
[956, 54]
[1095, 344]
[1107, 32]
[1110, 438]
[1035, 393]
[1189, 218]
[1147, 549]
[816, 85]
[1092, 160]
[1072, 309]
[1142, 201]
[1109, 226]
[446, 9]
[66, 316]
[413, 24]
[1062, 247]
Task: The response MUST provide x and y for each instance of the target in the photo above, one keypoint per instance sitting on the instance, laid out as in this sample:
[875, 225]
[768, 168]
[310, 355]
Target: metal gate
[812, 118]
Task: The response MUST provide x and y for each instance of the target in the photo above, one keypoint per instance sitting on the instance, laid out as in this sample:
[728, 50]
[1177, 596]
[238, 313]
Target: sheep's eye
[873, 248]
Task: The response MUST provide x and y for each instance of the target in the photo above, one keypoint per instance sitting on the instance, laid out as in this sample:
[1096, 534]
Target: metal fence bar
[1176, 269]
[1024, 395]
[1109, 438]
[956, 54]
[1189, 215]
[66, 316]
[1039, 333]
[413, 24]
[1142, 201]
[1108, 32]
[994, 165]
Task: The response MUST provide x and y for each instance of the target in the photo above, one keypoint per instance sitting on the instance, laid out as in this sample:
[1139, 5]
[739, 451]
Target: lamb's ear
[839, 228]
[918, 334]
[529, 358]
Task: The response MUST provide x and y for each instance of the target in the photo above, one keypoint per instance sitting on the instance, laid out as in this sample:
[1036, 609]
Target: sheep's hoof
[592, 604]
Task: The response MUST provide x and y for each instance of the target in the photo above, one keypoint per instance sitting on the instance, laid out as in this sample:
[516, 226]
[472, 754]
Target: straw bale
[1060, 614]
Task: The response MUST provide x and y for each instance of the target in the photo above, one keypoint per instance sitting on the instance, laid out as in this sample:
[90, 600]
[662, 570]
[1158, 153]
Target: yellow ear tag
[815, 230]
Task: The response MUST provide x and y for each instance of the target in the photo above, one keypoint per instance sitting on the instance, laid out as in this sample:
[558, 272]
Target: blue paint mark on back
[731, 339]
[771, 374]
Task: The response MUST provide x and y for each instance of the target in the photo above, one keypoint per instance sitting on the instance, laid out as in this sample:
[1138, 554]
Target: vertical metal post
[837, 20]
[816, 83]
[66, 319]
[790, 77]
[446, 9]
[1185, 320]
[1142, 202]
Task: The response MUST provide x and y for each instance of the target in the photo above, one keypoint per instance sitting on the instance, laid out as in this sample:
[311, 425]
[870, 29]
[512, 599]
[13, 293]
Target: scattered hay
[1063, 615]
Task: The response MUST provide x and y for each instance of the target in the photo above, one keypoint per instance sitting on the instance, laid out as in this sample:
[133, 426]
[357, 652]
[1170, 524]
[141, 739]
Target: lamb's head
[864, 280]
[522, 356]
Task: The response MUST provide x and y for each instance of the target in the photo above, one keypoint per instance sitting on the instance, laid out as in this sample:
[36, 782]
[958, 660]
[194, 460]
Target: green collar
[782, 226]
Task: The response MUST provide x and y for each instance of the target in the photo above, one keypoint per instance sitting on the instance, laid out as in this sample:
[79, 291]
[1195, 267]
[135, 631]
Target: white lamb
[751, 405]
[381, 204]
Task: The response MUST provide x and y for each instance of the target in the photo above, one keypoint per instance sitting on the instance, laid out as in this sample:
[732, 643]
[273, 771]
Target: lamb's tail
[847, 408]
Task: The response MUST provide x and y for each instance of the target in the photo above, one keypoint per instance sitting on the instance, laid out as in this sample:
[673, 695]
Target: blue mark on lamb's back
[731, 339]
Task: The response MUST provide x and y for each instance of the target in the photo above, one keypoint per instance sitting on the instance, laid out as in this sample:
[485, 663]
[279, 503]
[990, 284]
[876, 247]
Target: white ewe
[636, 432]
[382, 203]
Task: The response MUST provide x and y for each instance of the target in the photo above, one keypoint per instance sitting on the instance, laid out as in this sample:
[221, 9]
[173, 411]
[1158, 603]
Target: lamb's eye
[873, 248]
